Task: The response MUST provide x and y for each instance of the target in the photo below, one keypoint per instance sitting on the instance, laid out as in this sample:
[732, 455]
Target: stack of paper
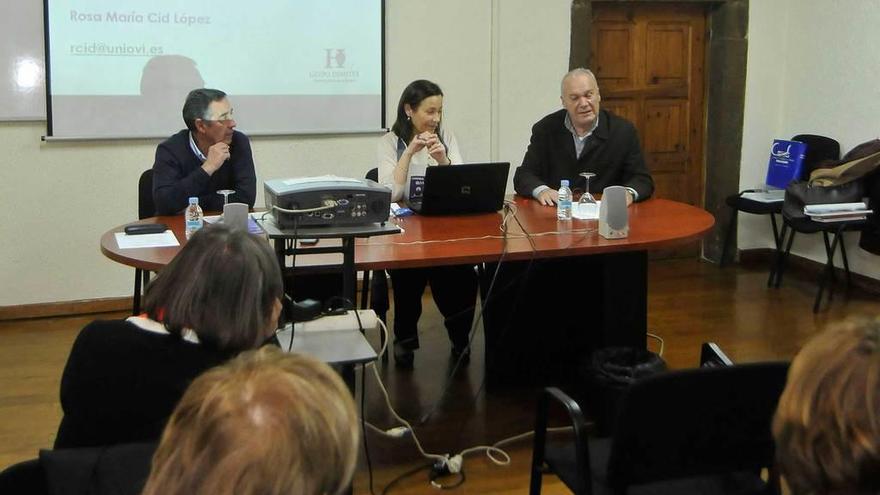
[771, 196]
[585, 211]
[838, 212]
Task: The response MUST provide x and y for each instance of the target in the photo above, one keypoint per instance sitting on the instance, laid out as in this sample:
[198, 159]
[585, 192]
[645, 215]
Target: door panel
[625, 108]
[649, 60]
[615, 43]
[666, 125]
[666, 48]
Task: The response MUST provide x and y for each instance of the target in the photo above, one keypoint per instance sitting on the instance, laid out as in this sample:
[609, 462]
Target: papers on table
[834, 207]
[772, 196]
[838, 212]
[841, 218]
[585, 212]
[165, 239]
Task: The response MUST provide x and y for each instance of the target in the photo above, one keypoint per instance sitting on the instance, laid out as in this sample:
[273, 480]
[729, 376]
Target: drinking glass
[226, 193]
[587, 202]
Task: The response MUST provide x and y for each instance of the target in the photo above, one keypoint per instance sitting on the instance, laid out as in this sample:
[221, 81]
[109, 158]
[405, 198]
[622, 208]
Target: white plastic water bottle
[563, 205]
[193, 216]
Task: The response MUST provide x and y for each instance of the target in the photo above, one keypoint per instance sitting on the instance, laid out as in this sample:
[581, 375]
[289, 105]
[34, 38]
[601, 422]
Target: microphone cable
[522, 280]
[446, 464]
[364, 424]
[292, 248]
[509, 208]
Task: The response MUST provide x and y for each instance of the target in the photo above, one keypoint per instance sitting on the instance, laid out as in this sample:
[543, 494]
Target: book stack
[838, 212]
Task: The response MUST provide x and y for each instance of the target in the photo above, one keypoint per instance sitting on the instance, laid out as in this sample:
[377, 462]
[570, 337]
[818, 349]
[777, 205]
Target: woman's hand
[418, 142]
[436, 149]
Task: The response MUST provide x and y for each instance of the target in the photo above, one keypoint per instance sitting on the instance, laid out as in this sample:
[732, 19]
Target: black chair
[24, 477]
[146, 209]
[819, 148]
[703, 430]
[118, 469]
[374, 288]
[793, 222]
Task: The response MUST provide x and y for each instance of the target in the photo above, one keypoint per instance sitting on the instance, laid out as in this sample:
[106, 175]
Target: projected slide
[123, 67]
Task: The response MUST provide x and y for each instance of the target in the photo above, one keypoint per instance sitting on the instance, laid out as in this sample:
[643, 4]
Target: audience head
[419, 110]
[580, 97]
[827, 424]
[208, 115]
[263, 423]
[225, 285]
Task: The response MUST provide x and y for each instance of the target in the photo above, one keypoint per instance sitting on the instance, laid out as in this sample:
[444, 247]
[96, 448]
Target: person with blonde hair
[827, 423]
[264, 423]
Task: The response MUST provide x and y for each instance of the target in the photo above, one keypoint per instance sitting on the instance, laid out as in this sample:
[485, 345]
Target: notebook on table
[465, 188]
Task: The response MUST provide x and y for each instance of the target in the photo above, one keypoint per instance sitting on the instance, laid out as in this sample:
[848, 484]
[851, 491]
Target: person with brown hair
[827, 423]
[219, 296]
[264, 423]
[418, 140]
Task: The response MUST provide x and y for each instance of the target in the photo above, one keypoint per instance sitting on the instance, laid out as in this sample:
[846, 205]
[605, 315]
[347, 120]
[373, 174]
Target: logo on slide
[334, 70]
[334, 55]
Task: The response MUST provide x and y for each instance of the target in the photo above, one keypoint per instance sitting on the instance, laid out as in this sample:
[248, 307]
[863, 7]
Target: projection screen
[122, 68]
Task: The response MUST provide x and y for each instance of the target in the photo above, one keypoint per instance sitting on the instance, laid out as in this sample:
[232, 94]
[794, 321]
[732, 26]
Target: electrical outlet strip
[347, 321]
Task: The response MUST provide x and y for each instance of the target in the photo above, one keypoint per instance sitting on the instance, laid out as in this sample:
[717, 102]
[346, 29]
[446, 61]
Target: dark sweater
[178, 175]
[613, 152]
[114, 470]
[121, 383]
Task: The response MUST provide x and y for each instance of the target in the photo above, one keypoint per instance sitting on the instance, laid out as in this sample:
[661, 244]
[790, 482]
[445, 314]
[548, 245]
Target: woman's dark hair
[413, 95]
[223, 285]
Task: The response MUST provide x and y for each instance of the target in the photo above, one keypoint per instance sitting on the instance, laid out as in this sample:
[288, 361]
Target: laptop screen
[465, 188]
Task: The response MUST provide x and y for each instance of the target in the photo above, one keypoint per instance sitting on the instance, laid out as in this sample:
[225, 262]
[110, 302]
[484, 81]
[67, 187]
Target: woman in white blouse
[417, 141]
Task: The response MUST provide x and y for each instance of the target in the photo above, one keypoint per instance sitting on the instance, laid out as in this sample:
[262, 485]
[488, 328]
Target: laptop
[465, 188]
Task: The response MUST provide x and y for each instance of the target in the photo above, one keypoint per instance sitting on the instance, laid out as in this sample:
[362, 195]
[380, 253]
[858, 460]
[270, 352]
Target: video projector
[329, 200]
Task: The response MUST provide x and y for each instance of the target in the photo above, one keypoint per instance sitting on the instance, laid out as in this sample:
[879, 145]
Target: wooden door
[649, 60]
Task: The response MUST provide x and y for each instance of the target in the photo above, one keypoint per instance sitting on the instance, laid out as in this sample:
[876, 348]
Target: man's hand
[548, 197]
[217, 156]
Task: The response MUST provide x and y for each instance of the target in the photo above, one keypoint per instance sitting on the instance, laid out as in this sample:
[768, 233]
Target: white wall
[531, 59]
[813, 67]
[499, 64]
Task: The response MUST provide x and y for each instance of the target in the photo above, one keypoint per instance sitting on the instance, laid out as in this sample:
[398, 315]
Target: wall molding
[760, 257]
[65, 308]
[807, 268]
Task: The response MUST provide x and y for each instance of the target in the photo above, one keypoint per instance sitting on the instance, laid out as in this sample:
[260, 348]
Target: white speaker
[613, 214]
[235, 215]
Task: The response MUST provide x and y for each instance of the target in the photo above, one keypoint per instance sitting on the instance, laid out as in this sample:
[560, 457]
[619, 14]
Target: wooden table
[654, 224]
[572, 255]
